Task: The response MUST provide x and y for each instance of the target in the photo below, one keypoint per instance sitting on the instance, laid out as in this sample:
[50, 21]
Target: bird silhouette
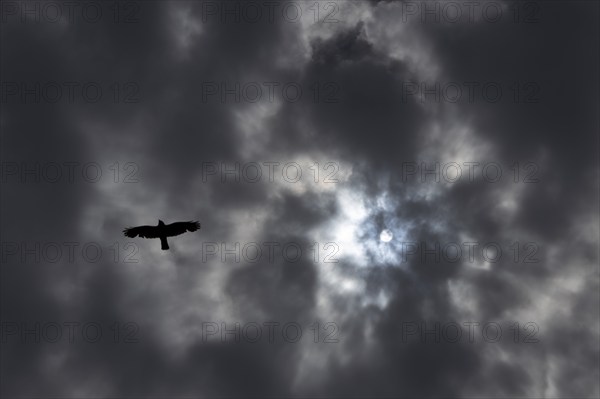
[162, 231]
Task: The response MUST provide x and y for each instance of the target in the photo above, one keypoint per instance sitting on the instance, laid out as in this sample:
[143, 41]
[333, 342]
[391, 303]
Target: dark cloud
[354, 111]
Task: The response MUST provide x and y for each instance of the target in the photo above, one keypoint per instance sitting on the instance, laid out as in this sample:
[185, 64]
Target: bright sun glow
[386, 235]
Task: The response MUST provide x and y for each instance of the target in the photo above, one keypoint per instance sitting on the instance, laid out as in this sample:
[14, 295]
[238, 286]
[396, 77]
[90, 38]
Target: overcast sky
[397, 199]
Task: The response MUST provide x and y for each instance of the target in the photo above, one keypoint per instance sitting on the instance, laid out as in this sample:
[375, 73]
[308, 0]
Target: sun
[386, 235]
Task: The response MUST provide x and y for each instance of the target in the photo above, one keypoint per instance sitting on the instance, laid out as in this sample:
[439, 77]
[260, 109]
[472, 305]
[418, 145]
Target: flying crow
[162, 231]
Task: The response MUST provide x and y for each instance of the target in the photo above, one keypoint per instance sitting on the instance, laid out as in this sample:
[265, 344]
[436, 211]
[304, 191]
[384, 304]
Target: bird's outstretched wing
[177, 228]
[142, 231]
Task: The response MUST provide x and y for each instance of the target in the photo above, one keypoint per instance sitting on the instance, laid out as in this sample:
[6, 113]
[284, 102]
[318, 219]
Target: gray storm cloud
[198, 101]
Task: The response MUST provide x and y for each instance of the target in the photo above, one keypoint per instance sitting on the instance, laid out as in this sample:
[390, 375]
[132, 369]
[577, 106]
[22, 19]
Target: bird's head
[160, 222]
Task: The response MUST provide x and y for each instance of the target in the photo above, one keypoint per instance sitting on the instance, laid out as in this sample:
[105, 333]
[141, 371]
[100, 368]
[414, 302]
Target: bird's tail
[164, 245]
